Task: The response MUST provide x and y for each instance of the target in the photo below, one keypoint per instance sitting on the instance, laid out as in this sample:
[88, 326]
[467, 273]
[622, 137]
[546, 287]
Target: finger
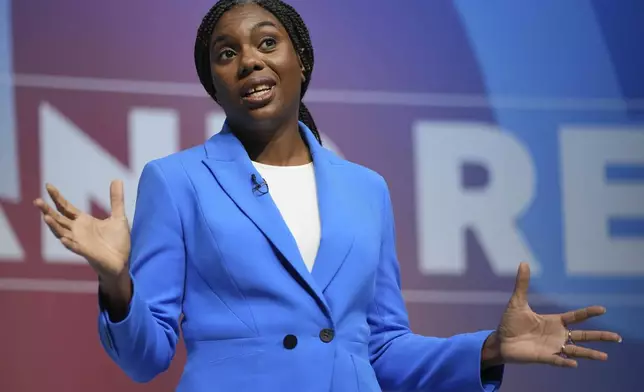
[595, 336]
[582, 352]
[116, 199]
[69, 244]
[579, 315]
[522, 282]
[558, 360]
[62, 205]
[48, 211]
[57, 230]
[43, 206]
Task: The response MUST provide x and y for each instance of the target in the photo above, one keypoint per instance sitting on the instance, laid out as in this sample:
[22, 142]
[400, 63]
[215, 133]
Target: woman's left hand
[524, 336]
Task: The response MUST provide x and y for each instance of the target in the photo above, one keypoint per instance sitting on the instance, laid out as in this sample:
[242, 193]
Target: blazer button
[289, 342]
[327, 335]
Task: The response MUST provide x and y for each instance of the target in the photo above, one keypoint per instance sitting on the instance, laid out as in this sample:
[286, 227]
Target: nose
[250, 61]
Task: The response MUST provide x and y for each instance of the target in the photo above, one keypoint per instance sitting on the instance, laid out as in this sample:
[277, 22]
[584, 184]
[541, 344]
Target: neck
[281, 146]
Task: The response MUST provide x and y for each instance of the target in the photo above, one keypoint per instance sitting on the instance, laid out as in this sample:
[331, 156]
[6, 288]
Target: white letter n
[82, 170]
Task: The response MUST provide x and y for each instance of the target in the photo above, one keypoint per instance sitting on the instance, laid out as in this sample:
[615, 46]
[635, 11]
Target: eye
[268, 43]
[226, 54]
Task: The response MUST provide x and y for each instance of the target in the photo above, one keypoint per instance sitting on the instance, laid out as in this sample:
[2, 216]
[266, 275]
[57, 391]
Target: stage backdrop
[508, 132]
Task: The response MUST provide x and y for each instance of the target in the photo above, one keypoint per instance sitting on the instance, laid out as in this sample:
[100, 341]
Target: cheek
[222, 87]
[291, 76]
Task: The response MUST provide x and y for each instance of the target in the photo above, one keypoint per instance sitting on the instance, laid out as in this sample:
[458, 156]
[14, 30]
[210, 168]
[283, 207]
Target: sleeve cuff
[110, 331]
[103, 311]
[491, 378]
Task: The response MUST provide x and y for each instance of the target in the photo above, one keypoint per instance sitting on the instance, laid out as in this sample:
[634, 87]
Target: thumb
[522, 282]
[116, 199]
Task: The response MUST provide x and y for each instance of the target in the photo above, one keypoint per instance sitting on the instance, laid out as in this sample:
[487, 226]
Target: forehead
[241, 19]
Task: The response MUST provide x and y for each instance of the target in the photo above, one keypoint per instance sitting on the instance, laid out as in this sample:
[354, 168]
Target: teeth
[260, 88]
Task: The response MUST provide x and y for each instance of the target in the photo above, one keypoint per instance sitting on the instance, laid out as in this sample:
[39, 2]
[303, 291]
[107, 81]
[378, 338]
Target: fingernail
[620, 340]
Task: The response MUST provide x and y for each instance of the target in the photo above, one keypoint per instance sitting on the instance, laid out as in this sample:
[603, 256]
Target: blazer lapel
[230, 165]
[335, 216]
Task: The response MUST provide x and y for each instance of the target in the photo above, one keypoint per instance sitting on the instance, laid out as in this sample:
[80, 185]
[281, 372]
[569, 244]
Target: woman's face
[256, 71]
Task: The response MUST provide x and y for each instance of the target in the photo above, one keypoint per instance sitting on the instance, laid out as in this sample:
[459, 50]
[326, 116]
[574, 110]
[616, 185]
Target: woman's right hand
[105, 244]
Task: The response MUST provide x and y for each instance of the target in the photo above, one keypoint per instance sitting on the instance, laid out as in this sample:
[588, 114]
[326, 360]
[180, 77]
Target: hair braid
[294, 26]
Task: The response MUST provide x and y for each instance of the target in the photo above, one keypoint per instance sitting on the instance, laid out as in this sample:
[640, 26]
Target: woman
[292, 287]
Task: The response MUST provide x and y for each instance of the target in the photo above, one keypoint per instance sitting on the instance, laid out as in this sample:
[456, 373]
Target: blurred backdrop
[508, 132]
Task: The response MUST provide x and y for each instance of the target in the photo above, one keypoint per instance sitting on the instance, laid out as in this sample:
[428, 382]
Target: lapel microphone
[259, 188]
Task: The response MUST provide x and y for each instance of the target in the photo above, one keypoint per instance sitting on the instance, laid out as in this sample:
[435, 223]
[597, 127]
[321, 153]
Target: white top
[294, 191]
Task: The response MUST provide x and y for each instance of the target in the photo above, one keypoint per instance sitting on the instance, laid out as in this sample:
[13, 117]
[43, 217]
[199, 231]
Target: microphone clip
[260, 188]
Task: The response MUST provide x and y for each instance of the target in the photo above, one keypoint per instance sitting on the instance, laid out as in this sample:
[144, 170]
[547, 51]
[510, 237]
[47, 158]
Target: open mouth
[259, 92]
[259, 95]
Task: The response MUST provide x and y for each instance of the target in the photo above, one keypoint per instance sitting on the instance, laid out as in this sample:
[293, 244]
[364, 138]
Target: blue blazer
[213, 257]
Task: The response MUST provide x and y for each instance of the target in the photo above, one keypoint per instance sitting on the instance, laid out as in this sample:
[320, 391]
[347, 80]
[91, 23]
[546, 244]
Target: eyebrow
[224, 37]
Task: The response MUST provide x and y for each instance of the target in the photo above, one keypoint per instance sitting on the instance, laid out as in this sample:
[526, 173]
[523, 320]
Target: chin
[262, 119]
[259, 120]
[271, 110]
[272, 113]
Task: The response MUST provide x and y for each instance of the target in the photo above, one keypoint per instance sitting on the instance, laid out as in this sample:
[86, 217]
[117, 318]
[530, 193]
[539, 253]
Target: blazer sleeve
[143, 344]
[403, 360]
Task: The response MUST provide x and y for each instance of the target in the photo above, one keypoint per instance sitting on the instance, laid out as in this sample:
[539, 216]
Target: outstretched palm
[528, 337]
[104, 243]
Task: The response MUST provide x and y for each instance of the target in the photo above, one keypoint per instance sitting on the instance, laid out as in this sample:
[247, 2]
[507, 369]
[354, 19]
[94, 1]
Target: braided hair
[294, 26]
